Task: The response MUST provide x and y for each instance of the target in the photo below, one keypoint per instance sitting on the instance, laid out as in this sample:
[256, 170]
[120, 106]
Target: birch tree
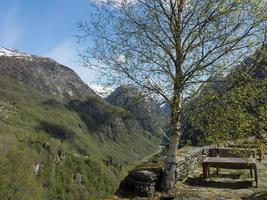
[169, 47]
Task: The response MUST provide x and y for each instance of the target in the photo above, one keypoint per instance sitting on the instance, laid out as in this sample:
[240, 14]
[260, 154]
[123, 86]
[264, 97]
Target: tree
[169, 47]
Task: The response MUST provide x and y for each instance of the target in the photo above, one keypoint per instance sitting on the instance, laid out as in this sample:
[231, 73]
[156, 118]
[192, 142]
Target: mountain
[68, 141]
[230, 107]
[44, 74]
[101, 90]
[49, 76]
[144, 109]
[13, 52]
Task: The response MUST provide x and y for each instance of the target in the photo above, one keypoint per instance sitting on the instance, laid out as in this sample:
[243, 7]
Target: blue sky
[46, 28]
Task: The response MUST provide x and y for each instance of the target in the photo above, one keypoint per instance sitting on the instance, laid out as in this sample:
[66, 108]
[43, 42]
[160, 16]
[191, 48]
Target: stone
[37, 169]
[141, 182]
[144, 175]
[78, 178]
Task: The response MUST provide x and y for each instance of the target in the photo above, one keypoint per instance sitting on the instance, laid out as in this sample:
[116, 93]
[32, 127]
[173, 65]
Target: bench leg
[251, 172]
[256, 175]
[217, 171]
[204, 167]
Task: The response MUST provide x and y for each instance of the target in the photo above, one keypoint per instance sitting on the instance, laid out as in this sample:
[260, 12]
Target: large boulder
[141, 182]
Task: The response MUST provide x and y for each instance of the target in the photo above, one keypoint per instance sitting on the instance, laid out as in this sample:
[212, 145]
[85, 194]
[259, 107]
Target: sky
[46, 28]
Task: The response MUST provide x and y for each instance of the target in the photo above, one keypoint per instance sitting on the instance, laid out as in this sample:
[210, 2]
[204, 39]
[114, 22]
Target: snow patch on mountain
[7, 52]
[12, 52]
[101, 90]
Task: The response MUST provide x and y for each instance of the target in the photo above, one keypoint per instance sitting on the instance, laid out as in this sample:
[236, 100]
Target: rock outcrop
[141, 182]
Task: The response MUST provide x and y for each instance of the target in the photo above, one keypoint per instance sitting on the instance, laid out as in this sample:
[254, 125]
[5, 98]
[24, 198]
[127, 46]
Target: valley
[64, 135]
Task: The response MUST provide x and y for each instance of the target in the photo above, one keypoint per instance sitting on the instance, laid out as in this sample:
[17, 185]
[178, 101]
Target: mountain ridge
[45, 74]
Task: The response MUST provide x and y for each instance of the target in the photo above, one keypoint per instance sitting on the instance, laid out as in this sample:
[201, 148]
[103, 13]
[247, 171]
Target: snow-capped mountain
[12, 52]
[101, 90]
[43, 73]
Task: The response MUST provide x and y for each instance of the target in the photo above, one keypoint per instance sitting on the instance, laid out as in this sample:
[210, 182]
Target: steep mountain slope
[144, 109]
[68, 141]
[44, 74]
[231, 107]
[49, 76]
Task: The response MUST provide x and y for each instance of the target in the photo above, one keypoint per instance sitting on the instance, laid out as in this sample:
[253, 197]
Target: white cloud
[11, 30]
[66, 53]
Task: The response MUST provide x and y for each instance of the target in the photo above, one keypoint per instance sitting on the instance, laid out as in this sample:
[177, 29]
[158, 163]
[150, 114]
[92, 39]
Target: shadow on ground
[198, 182]
[257, 196]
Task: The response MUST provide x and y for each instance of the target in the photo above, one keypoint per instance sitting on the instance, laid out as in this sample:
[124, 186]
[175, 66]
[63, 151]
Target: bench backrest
[231, 152]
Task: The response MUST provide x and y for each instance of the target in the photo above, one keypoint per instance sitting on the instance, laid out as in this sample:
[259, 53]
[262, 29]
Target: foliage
[229, 111]
[166, 47]
[17, 180]
[39, 128]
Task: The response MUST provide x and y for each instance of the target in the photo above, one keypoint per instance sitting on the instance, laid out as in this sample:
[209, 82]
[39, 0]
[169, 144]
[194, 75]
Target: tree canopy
[152, 43]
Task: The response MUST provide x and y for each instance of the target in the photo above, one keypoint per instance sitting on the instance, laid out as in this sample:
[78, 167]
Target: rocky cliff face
[108, 121]
[44, 74]
[145, 110]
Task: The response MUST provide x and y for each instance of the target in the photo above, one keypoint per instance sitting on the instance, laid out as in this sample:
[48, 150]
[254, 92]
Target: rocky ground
[230, 185]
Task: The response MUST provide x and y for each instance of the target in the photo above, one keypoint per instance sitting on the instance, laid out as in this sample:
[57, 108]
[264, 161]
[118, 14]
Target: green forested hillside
[231, 107]
[49, 151]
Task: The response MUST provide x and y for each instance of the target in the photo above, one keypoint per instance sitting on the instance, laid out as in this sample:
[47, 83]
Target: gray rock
[141, 182]
[78, 178]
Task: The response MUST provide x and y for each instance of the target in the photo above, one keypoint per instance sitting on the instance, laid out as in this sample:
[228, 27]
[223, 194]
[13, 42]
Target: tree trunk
[169, 173]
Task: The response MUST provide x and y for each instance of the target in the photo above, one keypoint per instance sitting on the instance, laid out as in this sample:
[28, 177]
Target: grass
[30, 118]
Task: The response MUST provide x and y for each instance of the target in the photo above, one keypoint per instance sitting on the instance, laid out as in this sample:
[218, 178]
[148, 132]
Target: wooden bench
[231, 152]
[258, 148]
[229, 163]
